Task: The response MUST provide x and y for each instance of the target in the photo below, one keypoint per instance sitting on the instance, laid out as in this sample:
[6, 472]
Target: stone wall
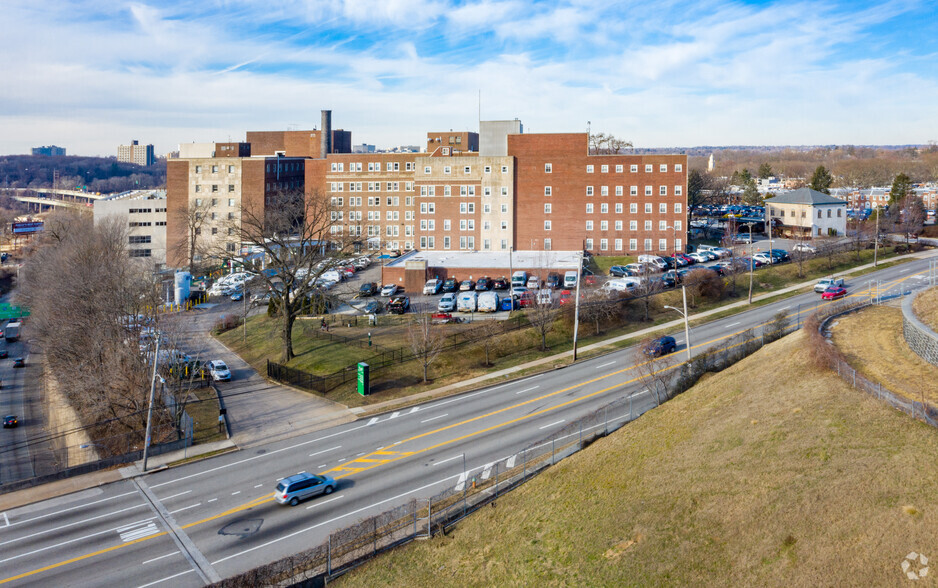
[918, 335]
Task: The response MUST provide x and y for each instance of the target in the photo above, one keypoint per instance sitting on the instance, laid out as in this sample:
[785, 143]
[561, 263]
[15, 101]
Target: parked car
[544, 297]
[781, 254]
[699, 257]
[804, 248]
[519, 278]
[10, 421]
[373, 307]
[565, 297]
[432, 286]
[742, 238]
[620, 285]
[4, 353]
[450, 285]
[467, 301]
[764, 257]
[690, 260]
[389, 290]
[237, 296]
[399, 305]
[554, 280]
[619, 271]
[483, 284]
[825, 283]
[833, 293]
[368, 289]
[447, 302]
[654, 261]
[569, 279]
[660, 346]
[219, 371]
[500, 283]
[467, 285]
[533, 283]
[19, 362]
[487, 301]
[292, 489]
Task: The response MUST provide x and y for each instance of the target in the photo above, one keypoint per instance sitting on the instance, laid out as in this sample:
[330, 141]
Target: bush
[226, 323]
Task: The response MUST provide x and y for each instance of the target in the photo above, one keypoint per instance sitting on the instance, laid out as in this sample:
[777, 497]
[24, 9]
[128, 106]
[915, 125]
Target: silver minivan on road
[293, 489]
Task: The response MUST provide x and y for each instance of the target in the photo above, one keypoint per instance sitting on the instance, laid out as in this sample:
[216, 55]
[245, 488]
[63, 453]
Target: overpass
[42, 199]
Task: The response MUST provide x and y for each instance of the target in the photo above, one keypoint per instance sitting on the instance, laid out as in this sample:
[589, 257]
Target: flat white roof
[492, 259]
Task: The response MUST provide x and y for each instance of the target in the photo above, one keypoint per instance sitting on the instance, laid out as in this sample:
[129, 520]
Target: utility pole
[750, 264]
[876, 239]
[146, 443]
[576, 306]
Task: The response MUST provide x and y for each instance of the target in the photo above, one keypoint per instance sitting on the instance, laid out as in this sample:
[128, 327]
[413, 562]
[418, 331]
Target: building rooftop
[492, 259]
[137, 195]
[804, 196]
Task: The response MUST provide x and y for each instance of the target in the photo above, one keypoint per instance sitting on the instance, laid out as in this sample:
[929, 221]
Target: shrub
[226, 323]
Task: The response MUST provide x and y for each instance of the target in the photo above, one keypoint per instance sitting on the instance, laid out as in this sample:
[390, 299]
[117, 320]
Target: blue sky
[92, 74]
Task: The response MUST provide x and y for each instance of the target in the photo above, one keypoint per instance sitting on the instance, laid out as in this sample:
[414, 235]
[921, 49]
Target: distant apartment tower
[49, 150]
[136, 153]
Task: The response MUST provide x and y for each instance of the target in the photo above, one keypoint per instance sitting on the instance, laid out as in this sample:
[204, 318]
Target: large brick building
[516, 192]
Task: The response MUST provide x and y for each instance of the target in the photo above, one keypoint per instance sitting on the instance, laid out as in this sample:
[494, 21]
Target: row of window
[198, 231]
[633, 190]
[214, 188]
[633, 207]
[145, 210]
[781, 213]
[141, 253]
[391, 166]
[649, 168]
[214, 168]
[148, 224]
[213, 201]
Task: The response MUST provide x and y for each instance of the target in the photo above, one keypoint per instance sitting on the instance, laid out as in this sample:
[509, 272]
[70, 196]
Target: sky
[90, 75]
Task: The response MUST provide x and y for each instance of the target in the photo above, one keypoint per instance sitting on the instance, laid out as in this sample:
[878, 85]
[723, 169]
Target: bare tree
[652, 368]
[703, 283]
[488, 341]
[603, 144]
[911, 216]
[193, 219]
[426, 340]
[542, 315]
[300, 241]
[860, 235]
[648, 286]
[599, 309]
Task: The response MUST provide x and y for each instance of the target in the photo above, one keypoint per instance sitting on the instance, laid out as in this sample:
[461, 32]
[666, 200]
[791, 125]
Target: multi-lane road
[203, 521]
[16, 463]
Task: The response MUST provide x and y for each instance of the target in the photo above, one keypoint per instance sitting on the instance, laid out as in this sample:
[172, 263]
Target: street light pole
[686, 325]
[576, 306]
[146, 442]
[750, 263]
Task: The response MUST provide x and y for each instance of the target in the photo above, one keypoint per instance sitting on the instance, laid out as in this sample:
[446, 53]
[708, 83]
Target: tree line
[98, 174]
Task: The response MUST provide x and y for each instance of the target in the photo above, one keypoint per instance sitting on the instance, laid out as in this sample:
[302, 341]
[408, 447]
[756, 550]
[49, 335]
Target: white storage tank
[182, 285]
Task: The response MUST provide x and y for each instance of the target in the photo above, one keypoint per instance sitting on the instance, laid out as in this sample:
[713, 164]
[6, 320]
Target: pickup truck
[825, 283]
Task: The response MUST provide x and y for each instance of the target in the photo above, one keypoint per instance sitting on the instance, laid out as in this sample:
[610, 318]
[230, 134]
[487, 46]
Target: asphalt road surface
[200, 522]
[15, 459]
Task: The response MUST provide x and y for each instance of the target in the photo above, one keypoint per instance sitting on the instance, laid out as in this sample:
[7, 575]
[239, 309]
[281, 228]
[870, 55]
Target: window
[504, 208]
[603, 225]
[446, 190]
[505, 225]
[504, 190]
[648, 169]
[838, 213]
[426, 170]
[487, 191]
[663, 207]
[677, 245]
[504, 243]
[547, 168]
[231, 187]
[604, 169]
[828, 213]
[633, 191]
[198, 201]
[198, 188]
[486, 208]
[678, 190]
[648, 225]
[633, 168]
[446, 243]
[618, 244]
[647, 244]
[663, 168]
[504, 169]
[214, 230]
[589, 190]
[487, 244]
[589, 169]
[619, 171]
[446, 224]
[633, 208]
[589, 244]
[589, 208]
[604, 208]
[618, 225]
[678, 167]
[604, 190]
[547, 208]
[447, 170]
[618, 208]
[230, 169]
[140, 253]
[546, 190]
[648, 208]
[134, 240]
[408, 166]
[589, 225]
[662, 190]
[618, 190]
[819, 214]
[633, 225]
[486, 225]
[633, 244]
[648, 190]
[546, 244]
[467, 170]
[677, 208]
[198, 169]
[662, 225]
[546, 225]
[487, 169]
[603, 243]
[662, 244]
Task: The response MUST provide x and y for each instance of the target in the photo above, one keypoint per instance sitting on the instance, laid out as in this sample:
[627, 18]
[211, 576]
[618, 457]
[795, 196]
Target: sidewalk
[677, 323]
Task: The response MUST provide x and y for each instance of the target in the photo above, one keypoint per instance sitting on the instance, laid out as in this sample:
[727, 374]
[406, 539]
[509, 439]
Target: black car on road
[368, 289]
[450, 285]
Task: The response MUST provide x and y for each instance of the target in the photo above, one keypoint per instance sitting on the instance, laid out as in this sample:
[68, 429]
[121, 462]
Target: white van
[622, 284]
[487, 301]
[467, 301]
[654, 261]
[569, 279]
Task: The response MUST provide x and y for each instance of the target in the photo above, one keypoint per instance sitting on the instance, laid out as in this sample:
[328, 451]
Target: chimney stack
[325, 138]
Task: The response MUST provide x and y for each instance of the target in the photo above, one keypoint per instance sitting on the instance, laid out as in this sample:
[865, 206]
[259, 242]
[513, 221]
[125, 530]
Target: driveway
[258, 410]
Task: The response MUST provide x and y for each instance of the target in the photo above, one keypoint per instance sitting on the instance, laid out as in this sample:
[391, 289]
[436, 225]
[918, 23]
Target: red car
[565, 297]
[833, 293]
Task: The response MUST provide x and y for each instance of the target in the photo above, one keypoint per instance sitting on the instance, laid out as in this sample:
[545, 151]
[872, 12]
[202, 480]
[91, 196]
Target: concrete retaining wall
[918, 335]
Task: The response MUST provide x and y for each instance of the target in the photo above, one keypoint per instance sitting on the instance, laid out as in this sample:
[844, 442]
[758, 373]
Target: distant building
[363, 148]
[144, 211]
[808, 213]
[136, 153]
[49, 150]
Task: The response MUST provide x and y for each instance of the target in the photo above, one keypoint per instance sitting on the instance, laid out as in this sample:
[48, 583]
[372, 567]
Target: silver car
[293, 489]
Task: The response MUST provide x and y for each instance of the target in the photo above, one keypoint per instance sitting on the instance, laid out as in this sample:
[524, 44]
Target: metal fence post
[496, 479]
[854, 378]
[375, 519]
[605, 422]
[581, 434]
[429, 518]
[630, 408]
[524, 460]
[552, 451]
[329, 558]
[415, 518]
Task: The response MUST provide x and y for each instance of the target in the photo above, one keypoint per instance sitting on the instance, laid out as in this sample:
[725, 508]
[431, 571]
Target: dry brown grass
[788, 479]
[872, 342]
[926, 308]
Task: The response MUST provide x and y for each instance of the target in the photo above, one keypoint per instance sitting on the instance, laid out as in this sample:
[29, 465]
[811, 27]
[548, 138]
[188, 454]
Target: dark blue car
[661, 346]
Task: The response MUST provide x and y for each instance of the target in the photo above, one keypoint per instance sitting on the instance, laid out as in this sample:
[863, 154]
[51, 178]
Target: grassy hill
[770, 473]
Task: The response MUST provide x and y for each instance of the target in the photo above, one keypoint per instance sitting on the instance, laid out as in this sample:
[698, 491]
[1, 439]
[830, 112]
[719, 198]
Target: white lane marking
[433, 418]
[487, 471]
[323, 451]
[258, 486]
[86, 537]
[322, 502]
[174, 496]
[58, 512]
[340, 461]
[185, 508]
[463, 397]
[605, 365]
[552, 424]
[6, 519]
[211, 500]
[461, 483]
[731, 325]
[679, 341]
[903, 271]
[372, 421]
[511, 461]
[132, 533]
[448, 459]
[252, 458]
[164, 579]
[785, 308]
[526, 390]
[360, 454]
[236, 493]
[160, 557]
[394, 415]
[414, 409]
[322, 466]
[81, 522]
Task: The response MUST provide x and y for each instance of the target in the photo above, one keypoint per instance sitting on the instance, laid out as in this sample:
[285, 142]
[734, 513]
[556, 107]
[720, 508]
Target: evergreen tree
[821, 180]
